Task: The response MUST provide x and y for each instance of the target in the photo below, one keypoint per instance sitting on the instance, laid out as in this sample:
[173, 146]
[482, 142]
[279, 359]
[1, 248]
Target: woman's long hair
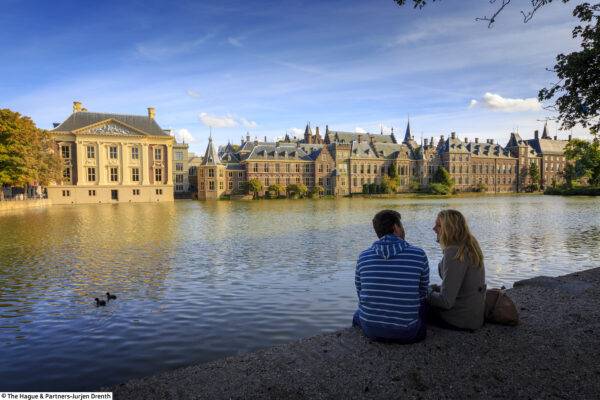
[454, 231]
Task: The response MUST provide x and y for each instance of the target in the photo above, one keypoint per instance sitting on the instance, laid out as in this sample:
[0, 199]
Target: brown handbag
[499, 308]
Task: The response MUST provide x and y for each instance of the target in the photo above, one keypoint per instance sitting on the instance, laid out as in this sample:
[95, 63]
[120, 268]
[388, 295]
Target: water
[199, 281]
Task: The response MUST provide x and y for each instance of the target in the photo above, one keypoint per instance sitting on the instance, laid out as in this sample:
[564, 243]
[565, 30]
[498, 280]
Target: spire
[211, 157]
[407, 135]
[545, 132]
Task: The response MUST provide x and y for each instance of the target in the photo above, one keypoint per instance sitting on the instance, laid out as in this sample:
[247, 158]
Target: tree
[443, 176]
[299, 190]
[534, 175]
[254, 186]
[276, 189]
[27, 153]
[317, 191]
[393, 172]
[586, 158]
[577, 92]
[569, 174]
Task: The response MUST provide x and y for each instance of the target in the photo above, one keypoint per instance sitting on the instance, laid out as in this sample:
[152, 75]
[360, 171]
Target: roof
[548, 146]
[283, 151]
[211, 157]
[349, 137]
[81, 119]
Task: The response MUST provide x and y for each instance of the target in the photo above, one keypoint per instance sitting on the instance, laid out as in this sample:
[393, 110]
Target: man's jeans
[403, 336]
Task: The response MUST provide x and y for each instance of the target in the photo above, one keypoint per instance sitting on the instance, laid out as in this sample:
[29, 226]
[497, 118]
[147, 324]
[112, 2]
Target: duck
[99, 302]
[110, 296]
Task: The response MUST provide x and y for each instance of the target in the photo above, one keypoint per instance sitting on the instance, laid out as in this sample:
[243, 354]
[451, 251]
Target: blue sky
[268, 67]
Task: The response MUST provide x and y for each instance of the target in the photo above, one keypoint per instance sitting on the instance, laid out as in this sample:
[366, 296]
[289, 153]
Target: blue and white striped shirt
[391, 280]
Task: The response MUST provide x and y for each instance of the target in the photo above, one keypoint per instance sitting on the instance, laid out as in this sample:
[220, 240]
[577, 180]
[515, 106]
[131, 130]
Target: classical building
[112, 158]
[181, 169]
[342, 162]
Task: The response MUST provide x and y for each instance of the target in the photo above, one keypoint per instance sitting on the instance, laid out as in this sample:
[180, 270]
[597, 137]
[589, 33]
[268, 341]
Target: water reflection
[201, 280]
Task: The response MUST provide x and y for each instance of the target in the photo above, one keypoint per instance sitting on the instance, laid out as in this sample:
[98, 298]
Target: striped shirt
[391, 280]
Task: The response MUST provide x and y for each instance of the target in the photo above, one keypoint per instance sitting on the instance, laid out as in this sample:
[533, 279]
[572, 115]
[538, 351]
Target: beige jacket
[461, 299]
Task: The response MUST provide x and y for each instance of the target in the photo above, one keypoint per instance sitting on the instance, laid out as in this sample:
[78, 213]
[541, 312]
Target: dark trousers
[382, 334]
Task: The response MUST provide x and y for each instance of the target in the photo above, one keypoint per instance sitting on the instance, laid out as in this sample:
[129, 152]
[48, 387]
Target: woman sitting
[460, 301]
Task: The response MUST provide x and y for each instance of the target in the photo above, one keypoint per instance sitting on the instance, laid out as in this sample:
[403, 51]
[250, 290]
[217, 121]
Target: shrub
[438, 188]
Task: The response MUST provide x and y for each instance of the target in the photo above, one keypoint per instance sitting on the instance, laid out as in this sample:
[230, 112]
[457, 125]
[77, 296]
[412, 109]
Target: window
[65, 151]
[230, 174]
[287, 167]
[211, 185]
[91, 193]
[136, 192]
[67, 173]
[201, 185]
[328, 168]
[368, 168]
[113, 152]
[354, 182]
[255, 169]
[287, 181]
[91, 174]
[158, 174]
[297, 167]
[211, 173]
[135, 153]
[276, 167]
[240, 175]
[327, 181]
[135, 174]
[374, 169]
[221, 173]
[320, 167]
[178, 178]
[306, 167]
[158, 154]
[266, 167]
[179, 188]
[267, 181]
[178, 166]
[179, 156]
[240, 185]
[321, 181]
[230, 185]
[220, 185]
[114, 174]
[91, 152]
[362, 169]
[158, 191]
[66, 193]
[354, 168]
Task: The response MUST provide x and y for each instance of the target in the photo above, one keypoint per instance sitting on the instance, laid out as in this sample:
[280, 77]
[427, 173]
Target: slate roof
[548, 146]
[283, 151]
[211, 157]
[81, 119]
[349, 137]
[362, 150]
[391, 150]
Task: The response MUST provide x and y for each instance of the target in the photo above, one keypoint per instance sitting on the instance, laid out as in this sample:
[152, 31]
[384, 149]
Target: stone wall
[22, 204]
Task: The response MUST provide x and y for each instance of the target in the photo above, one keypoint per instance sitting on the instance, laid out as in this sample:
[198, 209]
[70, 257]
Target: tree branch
[492, 18]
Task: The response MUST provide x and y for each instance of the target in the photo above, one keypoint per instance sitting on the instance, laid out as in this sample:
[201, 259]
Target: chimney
[466, 140]
[569, 138]
[476, 140]
[265, 139]
[56, 124]
[555, 137]
[425, 142]
[151, 112]
[453, 135]
[326, 129]
[536, 134]
[76, 106]
[441, 138]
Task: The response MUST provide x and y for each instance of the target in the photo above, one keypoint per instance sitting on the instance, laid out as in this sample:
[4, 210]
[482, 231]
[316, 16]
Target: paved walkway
[553, 353]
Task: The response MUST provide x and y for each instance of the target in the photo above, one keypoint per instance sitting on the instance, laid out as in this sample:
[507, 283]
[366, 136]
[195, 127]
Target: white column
[102, 166]
[80, 157]
[169, 164]
[145, 165]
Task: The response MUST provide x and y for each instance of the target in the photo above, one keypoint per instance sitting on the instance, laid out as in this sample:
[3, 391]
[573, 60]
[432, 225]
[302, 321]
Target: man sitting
[391, 281]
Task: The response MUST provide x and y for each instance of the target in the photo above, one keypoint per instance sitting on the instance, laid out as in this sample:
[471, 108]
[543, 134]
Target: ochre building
[342, 162]
[112, 158]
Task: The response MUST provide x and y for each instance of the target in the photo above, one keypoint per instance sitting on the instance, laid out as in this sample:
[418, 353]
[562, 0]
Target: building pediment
[110, 127]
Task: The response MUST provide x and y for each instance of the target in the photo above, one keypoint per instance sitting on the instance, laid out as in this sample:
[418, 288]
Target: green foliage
[439, 188]
[443, 176]
[586, 158]
[297, 190]
[575, 191]
[414, 185]
[276, 190]
[480, 188]
[27, 154]
[577, 92]
[254, 186]
[393, 172]
[317, 191]
[569, 174]
[534, 174]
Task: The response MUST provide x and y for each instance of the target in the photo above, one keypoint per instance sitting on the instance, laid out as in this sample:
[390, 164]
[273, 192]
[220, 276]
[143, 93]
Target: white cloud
[297, 132]
[216, 121]
[248, 124]
[183, 136]
[358, 129]
[496, 102]
[193, 93]
[234, 42]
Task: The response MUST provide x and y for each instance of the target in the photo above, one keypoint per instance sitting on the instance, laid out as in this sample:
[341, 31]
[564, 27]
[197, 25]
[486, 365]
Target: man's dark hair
[384, 222]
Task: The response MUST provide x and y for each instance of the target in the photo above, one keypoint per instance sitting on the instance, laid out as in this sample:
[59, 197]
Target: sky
[271, 67]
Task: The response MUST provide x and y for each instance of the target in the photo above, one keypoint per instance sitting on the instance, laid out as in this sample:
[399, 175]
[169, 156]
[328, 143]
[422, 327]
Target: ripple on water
[199, 281]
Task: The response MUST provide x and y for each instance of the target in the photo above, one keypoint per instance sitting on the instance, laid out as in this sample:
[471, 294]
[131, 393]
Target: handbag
[499, 308]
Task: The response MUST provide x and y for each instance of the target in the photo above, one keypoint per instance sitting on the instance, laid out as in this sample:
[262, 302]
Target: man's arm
[357, 279]
[454, 275]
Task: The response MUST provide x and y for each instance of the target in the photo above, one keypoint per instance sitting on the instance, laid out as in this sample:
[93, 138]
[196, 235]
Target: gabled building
[112, 158]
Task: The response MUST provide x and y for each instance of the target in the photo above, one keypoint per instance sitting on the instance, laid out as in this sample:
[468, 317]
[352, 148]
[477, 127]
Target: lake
[197, 281]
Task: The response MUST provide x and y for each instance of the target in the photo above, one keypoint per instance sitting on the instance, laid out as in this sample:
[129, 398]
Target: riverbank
[553, 353]
[11, 205]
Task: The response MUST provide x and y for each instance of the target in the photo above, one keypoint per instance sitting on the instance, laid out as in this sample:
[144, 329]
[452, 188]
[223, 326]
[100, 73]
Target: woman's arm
[454, 273]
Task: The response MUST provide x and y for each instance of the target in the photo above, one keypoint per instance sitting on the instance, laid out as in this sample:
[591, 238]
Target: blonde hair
[454, 231]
